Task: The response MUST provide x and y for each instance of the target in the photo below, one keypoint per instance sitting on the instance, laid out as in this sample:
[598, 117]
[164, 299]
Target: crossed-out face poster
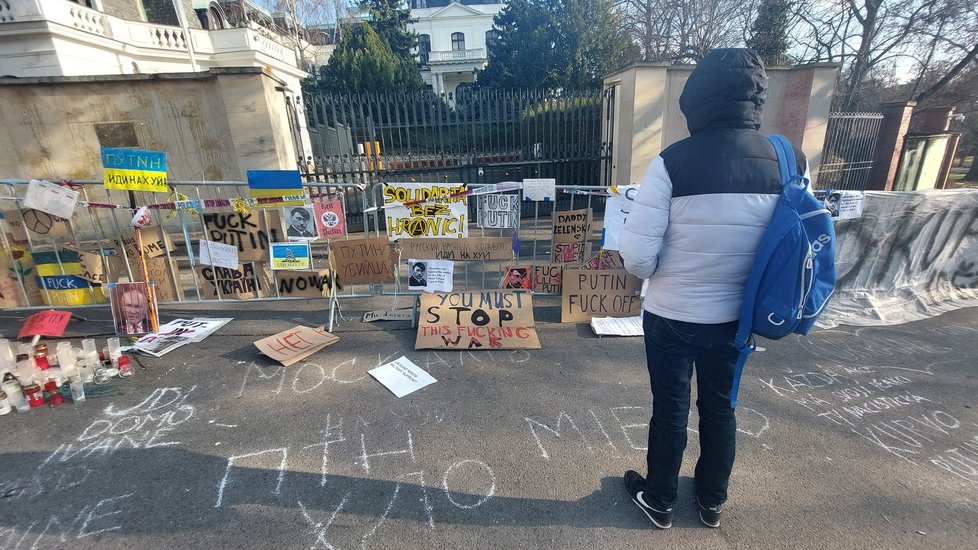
[425, 210]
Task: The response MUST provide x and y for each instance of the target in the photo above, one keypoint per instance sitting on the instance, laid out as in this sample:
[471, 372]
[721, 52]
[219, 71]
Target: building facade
[453, 39]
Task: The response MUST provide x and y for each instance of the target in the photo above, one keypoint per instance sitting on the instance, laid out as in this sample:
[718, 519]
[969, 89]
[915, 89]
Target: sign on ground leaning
[485, 319]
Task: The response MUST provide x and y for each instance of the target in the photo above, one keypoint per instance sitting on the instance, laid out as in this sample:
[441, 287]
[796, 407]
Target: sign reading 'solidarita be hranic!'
[425, 210]
[134, 170]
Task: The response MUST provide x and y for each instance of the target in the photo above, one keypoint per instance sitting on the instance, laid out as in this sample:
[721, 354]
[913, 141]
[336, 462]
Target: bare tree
[308, 23]
[684, 30]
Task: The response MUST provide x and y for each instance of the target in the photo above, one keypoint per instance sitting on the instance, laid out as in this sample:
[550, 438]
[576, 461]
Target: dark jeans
[673, 349]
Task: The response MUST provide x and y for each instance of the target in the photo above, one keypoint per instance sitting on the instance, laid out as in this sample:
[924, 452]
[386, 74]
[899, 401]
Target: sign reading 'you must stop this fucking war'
[134, 169]
[425, 210]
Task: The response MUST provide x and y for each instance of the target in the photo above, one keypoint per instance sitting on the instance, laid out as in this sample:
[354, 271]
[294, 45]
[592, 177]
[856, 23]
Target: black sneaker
[635, 485]
[709, 515]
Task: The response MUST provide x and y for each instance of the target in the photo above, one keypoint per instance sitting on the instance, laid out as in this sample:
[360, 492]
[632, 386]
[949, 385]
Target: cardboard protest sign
[616, 212]
[499, 211]
[518, 277]
[93, 268]
[134, 170]
[10, 294]
[330, 220]
[304, 284]
[41, 225]
[571, 230]
[247, 281]
[402, 377]
[431, 275]
[51, 198]
[276, 188]
[165, 277]
[300, 224]
[488, 319]
[19, 272]
[592, 293]
[218, 254]
[548, 278]
[250, 232]
[293, 345]
[18, 232]
[155, 240]
[472, 248]
[364, 261]
[425, 210]
[45, 323]
[291, 256]
[538, 190]
[605, 259]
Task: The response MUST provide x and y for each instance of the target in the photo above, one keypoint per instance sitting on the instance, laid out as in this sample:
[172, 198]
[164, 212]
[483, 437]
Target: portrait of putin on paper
[132, 309]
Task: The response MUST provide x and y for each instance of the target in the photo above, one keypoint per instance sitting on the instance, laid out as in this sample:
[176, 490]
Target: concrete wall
[648, 118]
[213, 125]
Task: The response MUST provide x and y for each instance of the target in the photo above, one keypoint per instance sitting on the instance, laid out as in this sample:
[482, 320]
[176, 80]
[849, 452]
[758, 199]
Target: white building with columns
[453, 39]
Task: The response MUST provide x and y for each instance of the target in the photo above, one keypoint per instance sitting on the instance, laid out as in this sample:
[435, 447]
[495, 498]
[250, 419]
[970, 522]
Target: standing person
[693, 232]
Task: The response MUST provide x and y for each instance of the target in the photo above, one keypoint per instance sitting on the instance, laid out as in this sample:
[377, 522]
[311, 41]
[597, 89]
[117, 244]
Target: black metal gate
[473, 136]
[849, 150]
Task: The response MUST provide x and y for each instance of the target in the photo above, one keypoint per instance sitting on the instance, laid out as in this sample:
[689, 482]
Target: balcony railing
[456, 55]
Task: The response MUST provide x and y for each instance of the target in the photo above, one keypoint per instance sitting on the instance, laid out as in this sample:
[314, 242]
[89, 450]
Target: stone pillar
[936, 120]
[641, 111]
[889, 144]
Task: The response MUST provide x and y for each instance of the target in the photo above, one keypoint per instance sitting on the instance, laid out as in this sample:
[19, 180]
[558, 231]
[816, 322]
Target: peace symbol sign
[38, 222]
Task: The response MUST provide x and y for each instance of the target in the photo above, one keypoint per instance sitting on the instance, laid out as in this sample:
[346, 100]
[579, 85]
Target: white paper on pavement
[401, 376]
[178, 332]
[617, 326]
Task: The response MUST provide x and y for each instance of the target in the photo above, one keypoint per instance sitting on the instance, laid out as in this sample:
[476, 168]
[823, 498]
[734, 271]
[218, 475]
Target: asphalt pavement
[848, 438]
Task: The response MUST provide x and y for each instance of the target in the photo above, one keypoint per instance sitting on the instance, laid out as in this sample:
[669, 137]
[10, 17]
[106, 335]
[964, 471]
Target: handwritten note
[402, 377]
[218, 254]
[538, 190]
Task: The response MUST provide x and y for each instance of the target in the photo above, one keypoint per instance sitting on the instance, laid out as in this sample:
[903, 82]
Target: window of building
[458, 41]
[424, 48]
[492, 38]
[419, 4]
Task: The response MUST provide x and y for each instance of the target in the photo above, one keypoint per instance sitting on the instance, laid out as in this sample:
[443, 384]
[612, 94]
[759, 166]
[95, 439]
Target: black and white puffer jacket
[705, 201]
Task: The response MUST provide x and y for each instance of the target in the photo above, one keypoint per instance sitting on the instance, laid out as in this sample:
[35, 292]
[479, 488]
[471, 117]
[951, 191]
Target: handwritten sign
[295, 344]
[548, 278]
[243, 283]
[218, 254]
[134, 170]
[250, 232]
[468, 249]
[364, 261]
[590, 293]
[402, 377]
[45, 323]
[270, 184]
[291, 256]
[165, 277]
[18, 232]
[52, 198]
[304, 284]
[540, 190]
[41, 225]
[388, 315]
[432, 210]
[92, 266]
[329, 219]
[154, 239]
[431, 275]
[499, 211]
[486, 319]
[571, 230]
[616, 212]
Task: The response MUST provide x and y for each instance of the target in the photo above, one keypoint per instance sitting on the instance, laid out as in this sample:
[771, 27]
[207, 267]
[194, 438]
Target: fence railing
[849, 150]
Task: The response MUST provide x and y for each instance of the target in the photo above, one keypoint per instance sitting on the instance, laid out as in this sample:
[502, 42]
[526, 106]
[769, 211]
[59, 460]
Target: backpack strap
[743, 341]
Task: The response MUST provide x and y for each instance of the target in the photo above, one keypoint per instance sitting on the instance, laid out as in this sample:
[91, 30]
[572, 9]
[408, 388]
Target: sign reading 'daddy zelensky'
[425, 210]
[484, 319]
[134, 170]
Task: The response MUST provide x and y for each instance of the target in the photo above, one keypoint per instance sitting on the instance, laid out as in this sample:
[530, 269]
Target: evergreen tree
[390, 18]
[524, 54]
[363, 62]
[769, 31]
[594, 41]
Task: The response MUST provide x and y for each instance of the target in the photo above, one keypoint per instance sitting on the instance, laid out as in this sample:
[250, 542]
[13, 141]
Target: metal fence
[475, 136]
[849, 150]
[99, 228]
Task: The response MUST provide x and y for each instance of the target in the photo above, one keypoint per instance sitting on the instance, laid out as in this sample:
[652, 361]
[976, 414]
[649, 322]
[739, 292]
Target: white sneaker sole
[648, 515]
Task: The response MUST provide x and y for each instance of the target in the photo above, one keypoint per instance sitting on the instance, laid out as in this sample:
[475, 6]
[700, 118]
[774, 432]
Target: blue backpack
[793, 274]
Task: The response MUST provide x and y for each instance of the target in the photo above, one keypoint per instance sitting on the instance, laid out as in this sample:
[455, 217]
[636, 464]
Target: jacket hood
[727, 89]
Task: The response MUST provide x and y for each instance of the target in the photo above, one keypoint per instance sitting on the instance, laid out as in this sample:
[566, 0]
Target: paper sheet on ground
[617, 326]
[293, 345]
[178, 332]
[402, 377]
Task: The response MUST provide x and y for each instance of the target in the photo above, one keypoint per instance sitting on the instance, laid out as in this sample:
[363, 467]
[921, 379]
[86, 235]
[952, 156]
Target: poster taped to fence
[304, 284]
[517, 277]
[548, 278]
[250, 232]
[616, 212]
[248, 281]
[291, 256]
[276, 188]
[134, 170]
[471, 248]
[154, 239]
[41, 225]
[589, 293]
[425, 210]
[218, 254]
[364, 261]
[499, 211]
[540, 190]
[329, 219]
[431, 275]
[484, 319]
[842, 205]
[571, 230]
[57, 200]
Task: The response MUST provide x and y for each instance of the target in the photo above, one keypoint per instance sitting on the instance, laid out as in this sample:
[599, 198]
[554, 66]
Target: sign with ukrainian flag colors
[134, 170]
[274, 188]
[291, 256]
